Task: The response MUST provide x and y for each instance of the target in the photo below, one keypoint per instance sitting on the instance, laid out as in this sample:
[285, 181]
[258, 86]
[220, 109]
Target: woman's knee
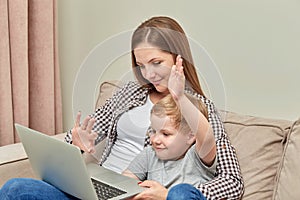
[11, 189]
[27, 188]
[13, 185]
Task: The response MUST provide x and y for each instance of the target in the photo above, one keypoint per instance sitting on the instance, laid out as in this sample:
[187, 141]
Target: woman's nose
[149, 72]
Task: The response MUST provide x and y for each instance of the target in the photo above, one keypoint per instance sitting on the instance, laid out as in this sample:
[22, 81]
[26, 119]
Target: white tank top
[131, 130]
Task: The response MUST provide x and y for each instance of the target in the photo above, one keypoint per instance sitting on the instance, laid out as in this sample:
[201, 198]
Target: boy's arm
[199, 125]
[130, 174]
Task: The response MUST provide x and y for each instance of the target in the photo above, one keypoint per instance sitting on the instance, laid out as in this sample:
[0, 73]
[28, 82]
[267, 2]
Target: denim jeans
[184, 191]
[26, 188]
[31, 189]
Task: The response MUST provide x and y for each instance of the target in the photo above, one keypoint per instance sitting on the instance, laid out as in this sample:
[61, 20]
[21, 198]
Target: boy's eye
[165, 134]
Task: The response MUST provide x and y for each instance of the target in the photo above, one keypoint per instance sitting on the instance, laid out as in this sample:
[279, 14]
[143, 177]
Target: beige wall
[254, 45]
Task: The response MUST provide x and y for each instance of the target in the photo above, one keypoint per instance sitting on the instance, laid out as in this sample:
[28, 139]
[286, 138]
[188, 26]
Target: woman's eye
[151, 131]
[157, 63]
[141, 66]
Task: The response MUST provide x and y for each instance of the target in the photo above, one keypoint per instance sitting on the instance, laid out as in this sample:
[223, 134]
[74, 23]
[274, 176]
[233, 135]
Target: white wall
[254, 45]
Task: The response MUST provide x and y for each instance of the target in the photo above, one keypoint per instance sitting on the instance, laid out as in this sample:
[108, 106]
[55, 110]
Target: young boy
[183, 145]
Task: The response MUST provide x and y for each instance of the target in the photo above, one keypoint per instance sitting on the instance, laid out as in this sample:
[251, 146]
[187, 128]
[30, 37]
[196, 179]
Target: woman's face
[155, 65]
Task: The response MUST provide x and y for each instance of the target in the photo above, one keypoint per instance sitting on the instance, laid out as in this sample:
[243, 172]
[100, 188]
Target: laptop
[61, 165]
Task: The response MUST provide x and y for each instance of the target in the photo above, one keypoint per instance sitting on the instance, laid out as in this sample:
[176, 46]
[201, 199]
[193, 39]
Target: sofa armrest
[14, 162]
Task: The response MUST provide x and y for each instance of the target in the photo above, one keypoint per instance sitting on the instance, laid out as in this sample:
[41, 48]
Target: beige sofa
[267, 150]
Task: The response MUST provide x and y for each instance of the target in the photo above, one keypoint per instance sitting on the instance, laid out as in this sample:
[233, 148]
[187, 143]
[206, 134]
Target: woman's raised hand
[82, 135]
[176, 82]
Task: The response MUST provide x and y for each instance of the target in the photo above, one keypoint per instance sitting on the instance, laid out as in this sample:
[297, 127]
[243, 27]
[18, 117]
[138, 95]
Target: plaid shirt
[228, 182]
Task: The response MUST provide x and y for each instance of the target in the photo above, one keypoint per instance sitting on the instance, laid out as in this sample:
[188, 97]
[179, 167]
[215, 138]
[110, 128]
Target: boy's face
[167, 141]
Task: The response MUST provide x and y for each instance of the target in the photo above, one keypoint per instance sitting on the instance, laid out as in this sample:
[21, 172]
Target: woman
[156, 45]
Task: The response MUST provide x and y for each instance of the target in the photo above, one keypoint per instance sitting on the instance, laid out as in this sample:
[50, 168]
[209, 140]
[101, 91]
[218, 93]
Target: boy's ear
[190, 138]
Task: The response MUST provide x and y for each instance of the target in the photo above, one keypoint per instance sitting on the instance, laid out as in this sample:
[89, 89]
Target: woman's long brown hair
[166, 34]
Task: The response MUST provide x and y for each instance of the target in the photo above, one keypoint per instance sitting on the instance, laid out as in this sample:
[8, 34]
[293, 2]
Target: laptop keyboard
[105, 191]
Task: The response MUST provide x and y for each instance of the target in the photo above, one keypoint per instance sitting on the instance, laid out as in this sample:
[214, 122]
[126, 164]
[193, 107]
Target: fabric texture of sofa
[267, 150]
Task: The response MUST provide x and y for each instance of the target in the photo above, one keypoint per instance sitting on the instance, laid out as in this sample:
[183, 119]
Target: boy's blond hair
[168, 107]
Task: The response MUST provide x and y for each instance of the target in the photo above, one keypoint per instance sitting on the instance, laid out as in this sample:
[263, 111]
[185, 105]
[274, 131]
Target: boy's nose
[156, 139]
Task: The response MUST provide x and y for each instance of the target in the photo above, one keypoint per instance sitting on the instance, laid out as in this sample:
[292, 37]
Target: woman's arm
[103, 115]
[228, 183]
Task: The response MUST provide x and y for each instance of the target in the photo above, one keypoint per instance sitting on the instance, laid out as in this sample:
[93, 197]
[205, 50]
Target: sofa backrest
[259, 145]
[267, 150]
[288, 177]
[106, 89]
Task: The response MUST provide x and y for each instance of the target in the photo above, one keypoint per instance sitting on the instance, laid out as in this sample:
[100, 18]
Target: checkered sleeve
[103, 119]
[105, 114]
[228, 183]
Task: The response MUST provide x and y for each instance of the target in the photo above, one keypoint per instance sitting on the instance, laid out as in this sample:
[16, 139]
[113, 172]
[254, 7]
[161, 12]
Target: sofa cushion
[288, 178]
[259, 146]
[106, 89]
[14, 161]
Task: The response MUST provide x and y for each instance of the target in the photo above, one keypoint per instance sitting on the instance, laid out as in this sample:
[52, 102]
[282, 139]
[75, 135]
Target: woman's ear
[190, 138]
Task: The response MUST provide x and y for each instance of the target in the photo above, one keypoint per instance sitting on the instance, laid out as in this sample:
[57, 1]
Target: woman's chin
[161, 89]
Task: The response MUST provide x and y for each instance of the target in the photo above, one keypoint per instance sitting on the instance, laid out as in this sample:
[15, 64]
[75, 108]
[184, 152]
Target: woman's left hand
[176, 82]
[154, 191]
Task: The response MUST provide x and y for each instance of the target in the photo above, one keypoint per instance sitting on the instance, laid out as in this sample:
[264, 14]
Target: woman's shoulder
[133, 85]
[211, 108]
[203, 98]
